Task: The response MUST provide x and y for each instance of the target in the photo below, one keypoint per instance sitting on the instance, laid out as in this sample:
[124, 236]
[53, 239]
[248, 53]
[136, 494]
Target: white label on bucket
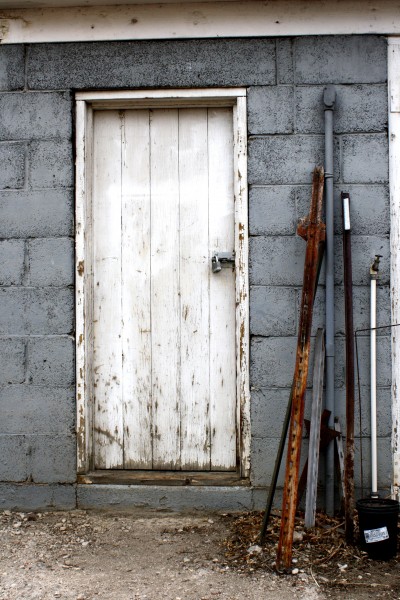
[376, 535]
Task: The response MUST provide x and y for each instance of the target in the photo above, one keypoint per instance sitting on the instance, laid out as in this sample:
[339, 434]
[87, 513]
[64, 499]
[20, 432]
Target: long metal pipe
[374, 451]
[329, 98]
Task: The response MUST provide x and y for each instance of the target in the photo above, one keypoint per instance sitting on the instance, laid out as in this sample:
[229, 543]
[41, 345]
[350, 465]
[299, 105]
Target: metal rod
[374, 451]
[329, 98]
[349, 326]
[285, 427]
[313, 230]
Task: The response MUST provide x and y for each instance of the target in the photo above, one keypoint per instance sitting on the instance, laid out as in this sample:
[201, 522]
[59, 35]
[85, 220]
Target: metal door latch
[222, 259]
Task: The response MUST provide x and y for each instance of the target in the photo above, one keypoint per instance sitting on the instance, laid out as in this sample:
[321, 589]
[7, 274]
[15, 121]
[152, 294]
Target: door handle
[222, 259]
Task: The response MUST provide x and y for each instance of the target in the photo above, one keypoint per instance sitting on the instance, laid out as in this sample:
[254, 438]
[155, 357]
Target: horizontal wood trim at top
[194, 20]
[170, 478]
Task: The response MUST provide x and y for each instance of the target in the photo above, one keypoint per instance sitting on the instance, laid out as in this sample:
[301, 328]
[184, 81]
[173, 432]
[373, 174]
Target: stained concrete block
[44, 213]
[12, 257]
[284, 60]
[53, 458]
[32, 116]
[369, 207]
[12, 159]
[12, 68]
[12, 361]
[383, 406]
[288, 160]
[184, 63]
[361, 308]
[365, 158]
[340, 59]
[270, 109]
[51, 361]
[273, 311]
[164, 497]
[363, 250]
[29, 497]
[14, 459]
[358, 109]
[28, 409]
[26, 311]
[272, 362]
[383, 360]
[272, 210]
[268, 409]
[51, 164]
[51, 261]
[277, 260]
[384, 466]
[263, 455]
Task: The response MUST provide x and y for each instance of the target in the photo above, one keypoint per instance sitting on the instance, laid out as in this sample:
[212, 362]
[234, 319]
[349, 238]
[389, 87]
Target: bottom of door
[181, 478]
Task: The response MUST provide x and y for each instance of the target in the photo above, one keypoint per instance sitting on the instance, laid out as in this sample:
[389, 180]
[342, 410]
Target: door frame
[86, 102]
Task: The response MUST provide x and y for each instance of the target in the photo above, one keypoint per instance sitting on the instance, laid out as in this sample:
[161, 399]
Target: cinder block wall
[285, 79]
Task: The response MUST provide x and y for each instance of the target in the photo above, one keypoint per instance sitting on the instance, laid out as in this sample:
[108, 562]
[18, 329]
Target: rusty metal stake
[312, 229]
[348, 311]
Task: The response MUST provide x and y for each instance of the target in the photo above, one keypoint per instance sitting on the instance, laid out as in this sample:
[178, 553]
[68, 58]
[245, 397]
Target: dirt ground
[151, 555]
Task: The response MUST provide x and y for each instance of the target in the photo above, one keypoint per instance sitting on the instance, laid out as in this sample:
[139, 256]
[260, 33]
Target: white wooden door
[164, 355]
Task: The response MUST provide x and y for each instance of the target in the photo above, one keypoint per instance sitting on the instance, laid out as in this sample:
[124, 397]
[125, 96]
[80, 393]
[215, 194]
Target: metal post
[329, 103]
[348, 309]
[374, 452]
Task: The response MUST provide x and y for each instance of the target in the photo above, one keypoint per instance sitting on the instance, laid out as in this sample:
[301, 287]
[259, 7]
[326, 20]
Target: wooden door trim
[85, 103]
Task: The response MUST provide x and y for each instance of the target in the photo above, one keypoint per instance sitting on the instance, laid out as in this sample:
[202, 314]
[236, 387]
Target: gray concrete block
[52, 458]
[277, 260]
[51, 361]
[26, 311]
[363, 250]
[12, 361]
[12, 67]
[287, 159]
[340, 59]
[369, 207]
[384, 411]
[358, 109]
[12, 258]
[272, 210]
[51, 261]
[273, 311]
[51, 164]
[270, 109]
[12, 159]
[185, 63]
[365, 158]
[384, 467]
[361, 308]
[44, 213]
[32, 116]
[284, 60]
[14, 458]
[27, 409]
[383, 360]
[29, 497]
[263, 457]
[164, 497]
[268, 409]
[272, 362]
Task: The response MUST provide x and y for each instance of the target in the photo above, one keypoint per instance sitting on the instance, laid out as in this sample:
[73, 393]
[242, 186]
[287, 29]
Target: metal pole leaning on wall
[329, 98]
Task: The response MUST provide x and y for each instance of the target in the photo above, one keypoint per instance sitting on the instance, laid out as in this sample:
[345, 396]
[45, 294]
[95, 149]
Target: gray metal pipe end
[329, 97]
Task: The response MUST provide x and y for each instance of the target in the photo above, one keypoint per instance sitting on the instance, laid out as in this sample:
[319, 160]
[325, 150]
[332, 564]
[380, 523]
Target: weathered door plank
[222, 292]
[107, 350]
[165, 299]
[194, 288]
[136, 323]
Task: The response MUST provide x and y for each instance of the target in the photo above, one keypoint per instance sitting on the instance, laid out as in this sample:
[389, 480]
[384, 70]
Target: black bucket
[377, 519]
